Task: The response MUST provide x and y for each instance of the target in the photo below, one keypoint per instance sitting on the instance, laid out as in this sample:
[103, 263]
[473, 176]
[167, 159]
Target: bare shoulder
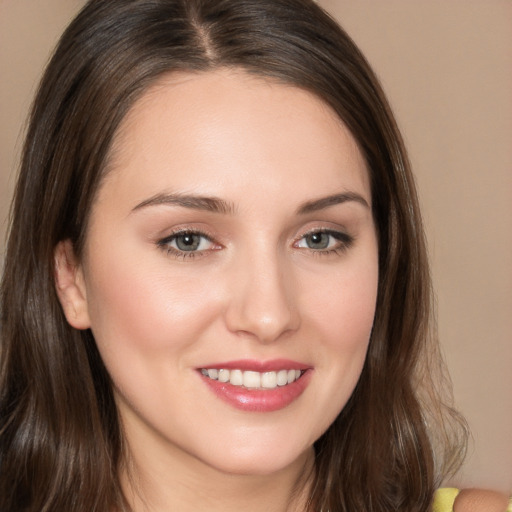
[480, 500]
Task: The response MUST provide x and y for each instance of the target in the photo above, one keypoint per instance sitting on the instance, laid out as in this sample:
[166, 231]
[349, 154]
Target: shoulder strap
[444, 499]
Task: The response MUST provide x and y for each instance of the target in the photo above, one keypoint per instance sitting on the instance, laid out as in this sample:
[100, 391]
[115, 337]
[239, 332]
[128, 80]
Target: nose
[263, 299]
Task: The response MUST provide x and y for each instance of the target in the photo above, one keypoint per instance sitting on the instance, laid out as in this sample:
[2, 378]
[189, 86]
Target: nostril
[267, 325]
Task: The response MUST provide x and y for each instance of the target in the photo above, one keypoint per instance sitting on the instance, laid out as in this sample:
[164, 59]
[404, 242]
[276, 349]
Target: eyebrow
[209, 204]
[326, 202]
[217, 205]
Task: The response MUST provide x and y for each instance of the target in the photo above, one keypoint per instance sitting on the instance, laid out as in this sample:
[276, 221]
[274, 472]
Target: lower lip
[259, 400]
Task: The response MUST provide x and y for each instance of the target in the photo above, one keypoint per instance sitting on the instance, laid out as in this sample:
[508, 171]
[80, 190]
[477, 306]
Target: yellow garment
[445, 498]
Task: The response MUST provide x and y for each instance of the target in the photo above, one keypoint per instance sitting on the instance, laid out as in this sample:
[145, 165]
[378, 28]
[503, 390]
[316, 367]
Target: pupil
[318, 240]
[188, 242]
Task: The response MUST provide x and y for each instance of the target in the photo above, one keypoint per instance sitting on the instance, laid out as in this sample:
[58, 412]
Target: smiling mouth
[253, 380]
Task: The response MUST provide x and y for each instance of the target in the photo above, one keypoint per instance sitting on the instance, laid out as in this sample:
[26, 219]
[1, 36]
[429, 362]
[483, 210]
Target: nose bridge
[263, 301]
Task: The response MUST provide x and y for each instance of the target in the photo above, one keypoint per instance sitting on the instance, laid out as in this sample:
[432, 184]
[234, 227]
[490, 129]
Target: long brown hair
[60, 441]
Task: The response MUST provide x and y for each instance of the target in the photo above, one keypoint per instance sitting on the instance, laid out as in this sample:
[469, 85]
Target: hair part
[60, 438]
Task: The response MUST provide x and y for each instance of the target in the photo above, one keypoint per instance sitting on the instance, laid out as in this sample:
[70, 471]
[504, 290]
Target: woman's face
[230, 272]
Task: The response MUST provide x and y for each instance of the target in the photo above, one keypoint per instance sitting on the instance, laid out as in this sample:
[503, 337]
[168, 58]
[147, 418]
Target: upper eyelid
[184, 231]
[330, 231]
[321, 230]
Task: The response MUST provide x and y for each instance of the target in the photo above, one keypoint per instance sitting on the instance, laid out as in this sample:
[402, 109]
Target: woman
[216, 292]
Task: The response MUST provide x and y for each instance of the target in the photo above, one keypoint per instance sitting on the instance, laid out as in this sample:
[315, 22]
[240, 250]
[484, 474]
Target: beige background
[447, 68]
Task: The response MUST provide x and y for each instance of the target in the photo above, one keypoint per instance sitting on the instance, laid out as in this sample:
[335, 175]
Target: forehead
[190, 130]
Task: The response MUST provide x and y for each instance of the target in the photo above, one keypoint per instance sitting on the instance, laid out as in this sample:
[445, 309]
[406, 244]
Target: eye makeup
[325, 241]
[191, 243]
[188, 243]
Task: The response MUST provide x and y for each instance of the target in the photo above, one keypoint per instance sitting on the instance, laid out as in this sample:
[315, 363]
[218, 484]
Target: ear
[70, 286]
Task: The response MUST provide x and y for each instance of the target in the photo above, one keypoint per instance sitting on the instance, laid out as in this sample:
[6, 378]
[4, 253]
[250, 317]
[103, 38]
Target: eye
[186, 243]
[325, 241]
[189, 242]
[318, 240]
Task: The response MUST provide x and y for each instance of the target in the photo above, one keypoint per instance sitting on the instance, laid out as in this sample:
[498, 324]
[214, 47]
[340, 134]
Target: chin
[258, 460]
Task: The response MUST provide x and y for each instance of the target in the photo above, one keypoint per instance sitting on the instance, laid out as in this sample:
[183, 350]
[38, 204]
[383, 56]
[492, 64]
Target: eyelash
[345, 241]
[164, 244]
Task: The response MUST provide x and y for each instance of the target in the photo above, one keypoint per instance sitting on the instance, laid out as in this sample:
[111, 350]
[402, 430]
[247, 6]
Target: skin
[480, 500]
[254, 289]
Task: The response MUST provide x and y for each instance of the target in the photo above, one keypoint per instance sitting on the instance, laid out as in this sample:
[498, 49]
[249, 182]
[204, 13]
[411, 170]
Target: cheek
[346, 312]
[338, 327]
[343, 321]
[138, 312]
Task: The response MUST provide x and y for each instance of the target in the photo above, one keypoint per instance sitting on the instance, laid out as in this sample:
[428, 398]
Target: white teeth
[282, 377]
[252, 379]
[236, 377]
[223, 375]
[269, 380]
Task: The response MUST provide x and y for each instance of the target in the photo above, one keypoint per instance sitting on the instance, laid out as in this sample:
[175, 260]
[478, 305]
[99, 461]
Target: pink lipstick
[257, 386]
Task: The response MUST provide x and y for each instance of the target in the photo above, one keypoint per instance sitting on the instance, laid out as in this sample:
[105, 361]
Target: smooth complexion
[234, 229]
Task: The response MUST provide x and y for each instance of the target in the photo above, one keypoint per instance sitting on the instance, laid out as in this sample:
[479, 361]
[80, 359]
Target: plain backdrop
[446, 66]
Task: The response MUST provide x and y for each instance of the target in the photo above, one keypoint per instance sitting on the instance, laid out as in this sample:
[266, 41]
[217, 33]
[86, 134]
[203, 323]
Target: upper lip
[255, 365]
